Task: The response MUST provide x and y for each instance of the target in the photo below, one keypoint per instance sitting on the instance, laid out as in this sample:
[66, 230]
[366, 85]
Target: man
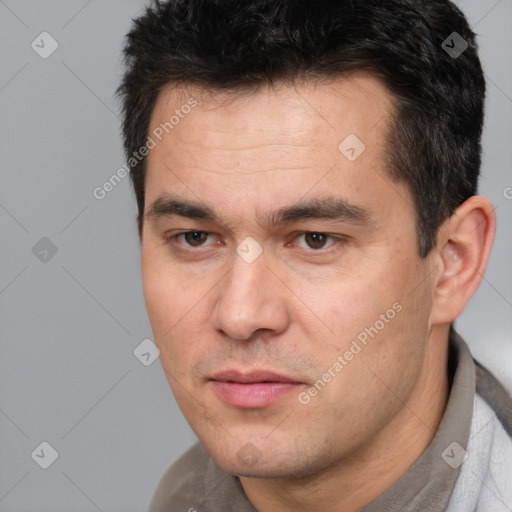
[306, 177]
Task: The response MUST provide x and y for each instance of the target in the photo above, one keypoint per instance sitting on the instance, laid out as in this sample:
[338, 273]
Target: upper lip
[251, 377]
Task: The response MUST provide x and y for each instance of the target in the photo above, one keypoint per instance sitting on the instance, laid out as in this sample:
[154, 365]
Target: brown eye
[315, 240]
[195, 238]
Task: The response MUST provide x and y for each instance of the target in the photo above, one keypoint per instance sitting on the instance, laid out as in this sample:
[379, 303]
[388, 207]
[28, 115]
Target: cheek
[177, 308]
[348, 305]
[371, 314]
[160, 298]
[168, 293]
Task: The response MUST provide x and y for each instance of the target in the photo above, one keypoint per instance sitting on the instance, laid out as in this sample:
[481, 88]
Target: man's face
[258, 348]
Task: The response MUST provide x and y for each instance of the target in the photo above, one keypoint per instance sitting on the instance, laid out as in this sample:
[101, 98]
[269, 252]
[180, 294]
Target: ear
[462, 251]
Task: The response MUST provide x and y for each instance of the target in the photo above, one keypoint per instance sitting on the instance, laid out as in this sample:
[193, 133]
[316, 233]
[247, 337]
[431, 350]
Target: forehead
[272, 144]
[286, 122]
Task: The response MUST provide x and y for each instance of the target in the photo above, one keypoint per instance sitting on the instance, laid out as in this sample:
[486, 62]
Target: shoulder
[195, 483]
[485, 482]
[182, 482]
[495, 395]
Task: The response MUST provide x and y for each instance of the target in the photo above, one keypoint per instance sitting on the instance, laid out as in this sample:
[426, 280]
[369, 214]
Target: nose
[250, 299]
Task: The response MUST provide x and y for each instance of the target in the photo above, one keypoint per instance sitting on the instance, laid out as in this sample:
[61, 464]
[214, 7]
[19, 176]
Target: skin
[300, 305]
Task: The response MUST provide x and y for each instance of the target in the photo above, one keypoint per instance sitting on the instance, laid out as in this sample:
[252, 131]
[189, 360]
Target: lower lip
[253, 396]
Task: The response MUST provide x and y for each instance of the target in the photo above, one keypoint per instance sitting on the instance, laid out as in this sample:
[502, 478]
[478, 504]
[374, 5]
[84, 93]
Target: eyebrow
[328, 208]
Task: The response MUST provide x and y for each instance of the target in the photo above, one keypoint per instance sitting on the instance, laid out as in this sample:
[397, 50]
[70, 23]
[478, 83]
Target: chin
[250, 462]
[259, 470]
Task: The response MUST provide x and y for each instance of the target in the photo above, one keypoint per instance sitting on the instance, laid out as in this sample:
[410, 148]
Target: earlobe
[463, 248]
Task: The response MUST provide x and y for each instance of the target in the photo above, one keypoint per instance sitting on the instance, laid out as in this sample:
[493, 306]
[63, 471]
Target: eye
[192, 238]
[315, 241]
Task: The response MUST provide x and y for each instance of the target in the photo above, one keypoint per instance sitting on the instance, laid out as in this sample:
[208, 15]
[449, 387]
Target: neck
[352, 484]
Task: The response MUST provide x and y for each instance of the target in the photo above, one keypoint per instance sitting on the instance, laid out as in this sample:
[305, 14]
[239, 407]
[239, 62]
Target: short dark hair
[232, 45]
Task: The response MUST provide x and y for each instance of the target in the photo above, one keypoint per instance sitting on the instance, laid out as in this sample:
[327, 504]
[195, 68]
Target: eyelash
[170, 239]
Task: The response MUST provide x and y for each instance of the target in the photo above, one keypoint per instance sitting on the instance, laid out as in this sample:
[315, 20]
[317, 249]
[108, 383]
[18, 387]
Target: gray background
[70, 324]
